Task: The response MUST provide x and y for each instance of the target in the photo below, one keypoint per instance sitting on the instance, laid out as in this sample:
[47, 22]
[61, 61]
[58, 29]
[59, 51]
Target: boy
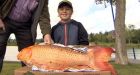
[68, 31]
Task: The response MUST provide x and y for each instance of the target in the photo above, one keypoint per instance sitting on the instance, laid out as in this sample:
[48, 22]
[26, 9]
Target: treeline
[132, 36]
[106, 37]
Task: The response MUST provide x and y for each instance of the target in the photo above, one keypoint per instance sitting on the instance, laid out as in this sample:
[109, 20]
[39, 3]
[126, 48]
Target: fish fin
[105, 66]
[91, 55]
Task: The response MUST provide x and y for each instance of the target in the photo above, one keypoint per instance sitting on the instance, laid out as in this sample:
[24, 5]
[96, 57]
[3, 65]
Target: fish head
[25, 54]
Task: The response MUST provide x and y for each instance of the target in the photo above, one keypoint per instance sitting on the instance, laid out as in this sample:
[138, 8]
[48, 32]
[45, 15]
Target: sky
[95, 18]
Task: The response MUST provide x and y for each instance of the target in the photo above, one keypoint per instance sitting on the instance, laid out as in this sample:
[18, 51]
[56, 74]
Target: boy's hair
[65, 3]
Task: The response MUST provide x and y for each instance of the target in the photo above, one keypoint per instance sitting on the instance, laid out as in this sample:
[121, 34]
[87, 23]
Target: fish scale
[55, 54]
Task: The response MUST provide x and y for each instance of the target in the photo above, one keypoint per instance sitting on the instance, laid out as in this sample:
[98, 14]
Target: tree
[91, 37]
[119, 25]
[121, 52]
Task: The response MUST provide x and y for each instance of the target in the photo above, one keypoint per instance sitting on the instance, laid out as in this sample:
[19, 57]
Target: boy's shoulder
[56, 25]
[76, 22]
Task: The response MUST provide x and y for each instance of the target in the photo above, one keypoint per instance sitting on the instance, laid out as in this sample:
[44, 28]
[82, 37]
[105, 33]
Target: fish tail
[99, 59]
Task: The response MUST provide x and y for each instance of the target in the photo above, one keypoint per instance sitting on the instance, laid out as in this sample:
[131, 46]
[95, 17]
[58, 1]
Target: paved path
[134, 61]
[11, 53]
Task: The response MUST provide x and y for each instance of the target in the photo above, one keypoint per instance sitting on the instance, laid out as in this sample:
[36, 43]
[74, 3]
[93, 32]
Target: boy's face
[65, 13]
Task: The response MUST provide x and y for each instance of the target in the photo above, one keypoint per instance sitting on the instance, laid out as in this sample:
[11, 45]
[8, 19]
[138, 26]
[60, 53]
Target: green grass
[9, 67]
[130, 69]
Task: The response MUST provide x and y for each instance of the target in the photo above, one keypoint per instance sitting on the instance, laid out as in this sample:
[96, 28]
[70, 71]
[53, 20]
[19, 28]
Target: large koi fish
[52, 57]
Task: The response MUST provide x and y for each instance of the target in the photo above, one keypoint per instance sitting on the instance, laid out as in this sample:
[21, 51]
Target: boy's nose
[64, 10]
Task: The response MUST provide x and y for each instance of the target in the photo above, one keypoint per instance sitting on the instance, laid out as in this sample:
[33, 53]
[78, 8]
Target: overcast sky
[95, 18]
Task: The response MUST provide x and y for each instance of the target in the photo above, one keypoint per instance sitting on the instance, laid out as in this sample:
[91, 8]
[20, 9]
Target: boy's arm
[82, 35]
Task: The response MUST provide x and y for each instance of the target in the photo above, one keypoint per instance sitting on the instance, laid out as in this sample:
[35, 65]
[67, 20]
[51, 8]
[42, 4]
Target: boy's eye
[65, 8]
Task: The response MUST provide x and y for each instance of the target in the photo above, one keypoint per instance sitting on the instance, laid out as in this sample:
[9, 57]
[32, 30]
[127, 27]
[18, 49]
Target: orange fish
[52, 57]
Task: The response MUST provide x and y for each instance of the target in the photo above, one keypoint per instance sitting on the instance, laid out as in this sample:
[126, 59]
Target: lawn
[130, 69]
[9, 67]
